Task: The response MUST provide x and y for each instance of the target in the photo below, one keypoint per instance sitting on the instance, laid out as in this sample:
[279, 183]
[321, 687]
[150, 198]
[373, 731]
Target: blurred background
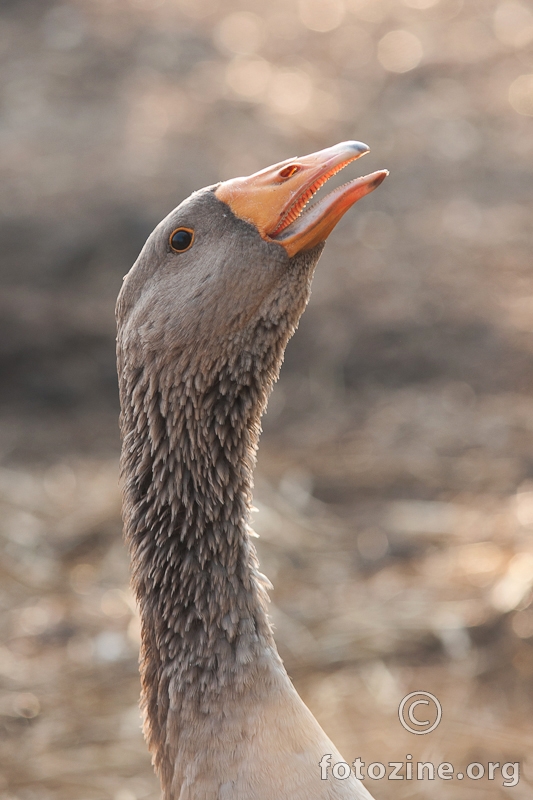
[395, 478]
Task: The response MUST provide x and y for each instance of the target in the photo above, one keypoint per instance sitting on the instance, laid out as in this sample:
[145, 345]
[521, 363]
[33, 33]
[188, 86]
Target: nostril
[289, 171]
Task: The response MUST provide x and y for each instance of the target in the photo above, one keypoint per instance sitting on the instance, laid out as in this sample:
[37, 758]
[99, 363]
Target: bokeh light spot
[521, 95]
[513, 24]
[290, 91]
[400, 51]
[239, 33]
[248, 77]
[321, 15]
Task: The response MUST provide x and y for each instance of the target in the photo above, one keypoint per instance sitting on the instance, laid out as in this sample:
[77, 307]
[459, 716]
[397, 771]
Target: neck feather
[190, 423]
[188, 458]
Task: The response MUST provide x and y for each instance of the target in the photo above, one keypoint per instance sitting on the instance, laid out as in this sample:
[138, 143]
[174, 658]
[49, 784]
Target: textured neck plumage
[188, 456]
[190, 423]
[190, 433]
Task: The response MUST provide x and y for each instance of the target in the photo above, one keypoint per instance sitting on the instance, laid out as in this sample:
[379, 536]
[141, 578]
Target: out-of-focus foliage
[396, 471]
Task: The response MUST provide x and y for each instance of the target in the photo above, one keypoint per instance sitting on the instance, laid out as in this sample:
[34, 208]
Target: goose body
[204, 316]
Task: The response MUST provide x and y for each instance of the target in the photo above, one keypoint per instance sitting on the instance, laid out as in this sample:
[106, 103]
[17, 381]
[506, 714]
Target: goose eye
[181, 239]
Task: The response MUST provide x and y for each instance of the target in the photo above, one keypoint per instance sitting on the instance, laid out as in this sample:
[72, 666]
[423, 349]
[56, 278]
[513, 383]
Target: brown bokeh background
[395, 479]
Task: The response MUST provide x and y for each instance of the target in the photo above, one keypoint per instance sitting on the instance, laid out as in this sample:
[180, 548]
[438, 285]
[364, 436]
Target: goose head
[235, 253]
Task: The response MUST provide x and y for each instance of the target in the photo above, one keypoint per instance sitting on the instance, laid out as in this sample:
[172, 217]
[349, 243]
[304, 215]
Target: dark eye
[181, 239]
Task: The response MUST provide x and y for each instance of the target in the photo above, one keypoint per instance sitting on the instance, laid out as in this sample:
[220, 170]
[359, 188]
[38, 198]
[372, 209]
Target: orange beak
[274, 198]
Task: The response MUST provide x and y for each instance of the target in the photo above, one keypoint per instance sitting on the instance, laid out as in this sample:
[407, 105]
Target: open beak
[274, 198]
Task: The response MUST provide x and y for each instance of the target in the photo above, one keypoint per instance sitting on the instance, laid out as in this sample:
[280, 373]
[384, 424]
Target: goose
[204, 316]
